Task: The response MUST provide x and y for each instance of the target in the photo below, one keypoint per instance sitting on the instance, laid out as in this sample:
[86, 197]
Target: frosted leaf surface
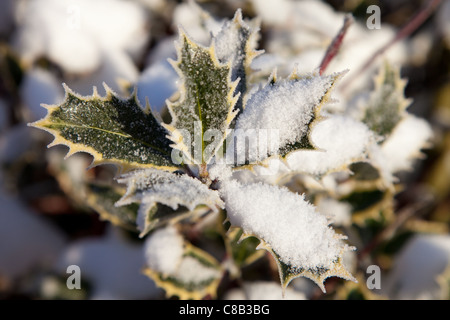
[111, 129]
[180, 268]
[206, 100]
[341, 141]
[288, 107]
[296, 232]
[153, 186]
[298, 237]
[236, 43]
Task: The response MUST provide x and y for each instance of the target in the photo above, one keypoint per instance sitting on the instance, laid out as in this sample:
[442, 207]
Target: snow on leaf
[206, 100]
[180, 268]
[289, 107]
[153, 215]
[404, 144]
[298, 237]
[342, 141]
[236, 43]
[111, 129]
[150, 187]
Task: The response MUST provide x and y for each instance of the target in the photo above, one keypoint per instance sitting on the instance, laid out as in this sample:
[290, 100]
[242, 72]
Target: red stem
[333, 48]
[405, 31]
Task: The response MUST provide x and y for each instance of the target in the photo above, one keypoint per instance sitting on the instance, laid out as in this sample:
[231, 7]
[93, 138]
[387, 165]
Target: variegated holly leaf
[158, 191]
[299, 238]
[102, 198]
[205, 108]
[154, 215]
[242, 250]
[180, 268]
[278, 118]
[387, 103]
[111, 129]
[236, 43]
[370, 205]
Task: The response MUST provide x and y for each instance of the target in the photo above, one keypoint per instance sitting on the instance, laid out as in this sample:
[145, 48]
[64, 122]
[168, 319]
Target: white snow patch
[164, 250]
[341, 140]
[417, 267]
[295, 231]
[405, 143]
[40, 86]
[263, 290]
[29, 242]
[338, 212]
[157, 83]
[112, 265]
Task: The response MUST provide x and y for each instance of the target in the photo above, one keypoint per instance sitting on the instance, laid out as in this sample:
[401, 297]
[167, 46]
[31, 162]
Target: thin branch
[335, 45]
[405, 31]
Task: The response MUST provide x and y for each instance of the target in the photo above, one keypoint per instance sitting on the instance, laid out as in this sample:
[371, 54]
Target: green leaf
[285, 110]
[297, 236]
[387, 104]
[236, 43]
[304, 141]
[102, 198]
[198, 275]
[206, 101]
[371, 204]
[289, 272]
[153, 188]
[153, 215]
[111, 129]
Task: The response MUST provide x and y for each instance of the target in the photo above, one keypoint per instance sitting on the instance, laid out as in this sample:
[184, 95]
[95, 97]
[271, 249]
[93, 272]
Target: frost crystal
[156, 186]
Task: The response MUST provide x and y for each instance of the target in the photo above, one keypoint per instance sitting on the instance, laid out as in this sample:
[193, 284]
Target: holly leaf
[102, 199]
[241, 249]
[282, 112]
[111, 129]
[158, 191]
[236, 43]
[387, 104]
[298, 237]
[205, 108]
[180, 268]
[152, 215]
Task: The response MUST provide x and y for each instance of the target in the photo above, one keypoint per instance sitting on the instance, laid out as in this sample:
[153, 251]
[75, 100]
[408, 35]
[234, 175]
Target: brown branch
[411, 26]
[335, 45]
